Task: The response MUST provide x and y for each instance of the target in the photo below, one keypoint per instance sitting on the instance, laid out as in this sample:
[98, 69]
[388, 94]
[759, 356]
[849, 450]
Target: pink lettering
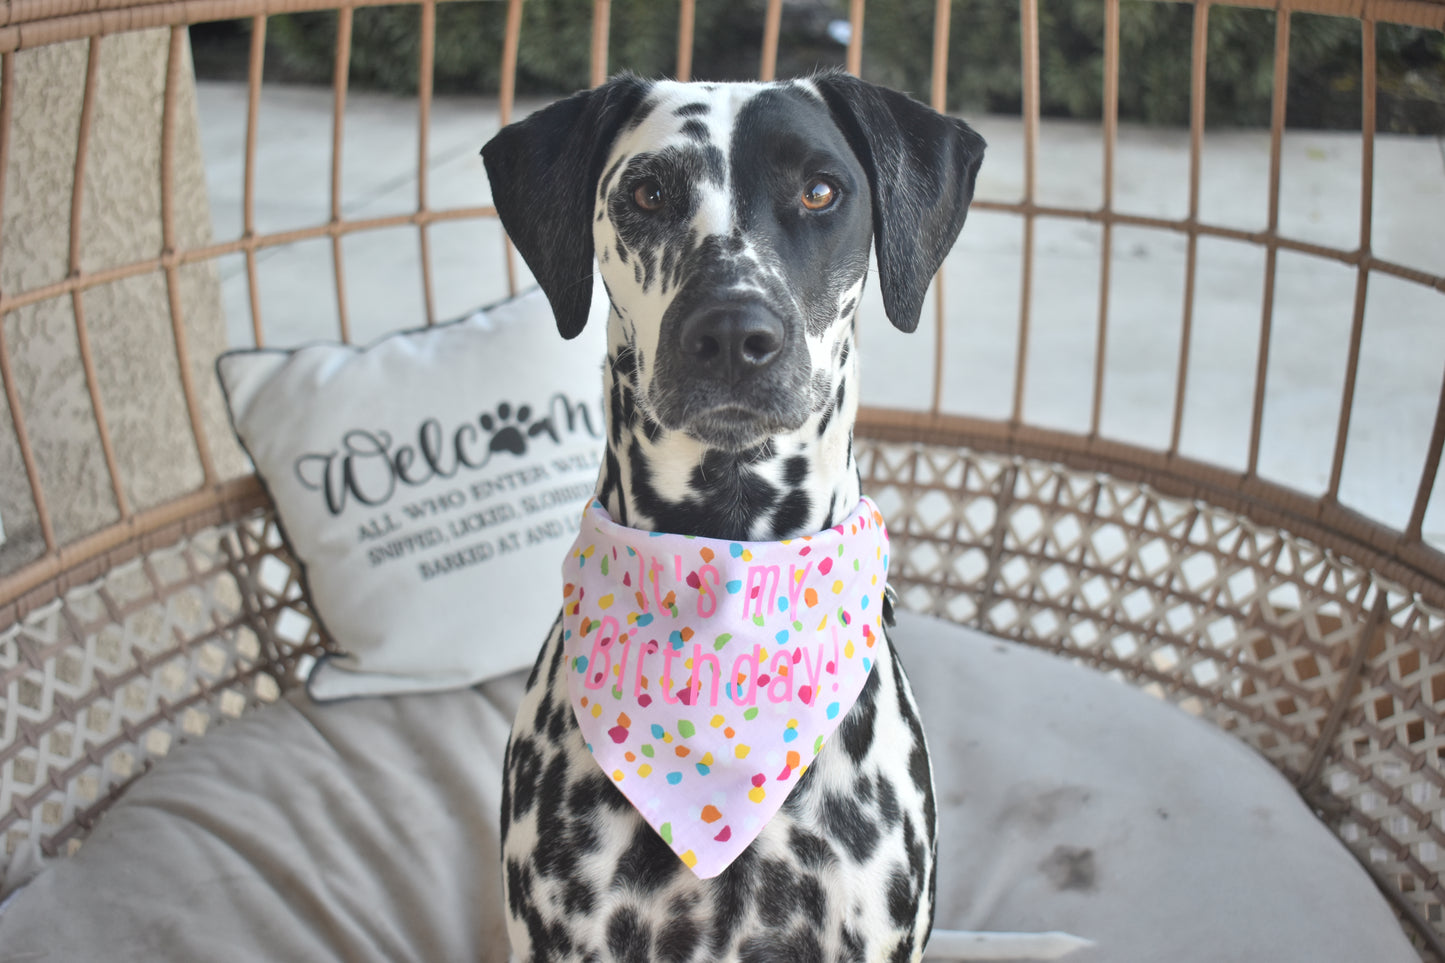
[621, 670]
[705, 592]
[756, 588]
[642, 582]
[782, 677]
[753, 659]
[667, 658]
[596, 676]
[795, 585]
[815, 672]
[699, 658]
[656, 584]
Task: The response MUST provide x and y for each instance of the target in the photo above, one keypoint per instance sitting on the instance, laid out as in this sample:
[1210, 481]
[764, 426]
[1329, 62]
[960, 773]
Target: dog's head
[731, 224]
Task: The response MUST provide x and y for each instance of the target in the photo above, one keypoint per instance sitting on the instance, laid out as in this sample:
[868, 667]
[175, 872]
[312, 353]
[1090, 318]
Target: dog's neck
[791, 484]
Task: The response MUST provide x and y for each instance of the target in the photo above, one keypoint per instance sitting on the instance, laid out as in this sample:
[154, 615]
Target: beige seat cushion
[367, 830]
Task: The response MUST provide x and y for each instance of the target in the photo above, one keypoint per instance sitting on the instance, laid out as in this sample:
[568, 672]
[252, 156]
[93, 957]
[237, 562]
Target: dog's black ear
[544, 171]
[921, 170]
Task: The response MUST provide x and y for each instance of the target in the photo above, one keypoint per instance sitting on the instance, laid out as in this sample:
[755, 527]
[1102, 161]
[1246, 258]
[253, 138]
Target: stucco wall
[128, 321]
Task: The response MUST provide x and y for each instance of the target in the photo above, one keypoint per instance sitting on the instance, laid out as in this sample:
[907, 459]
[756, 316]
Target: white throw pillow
[429, 485]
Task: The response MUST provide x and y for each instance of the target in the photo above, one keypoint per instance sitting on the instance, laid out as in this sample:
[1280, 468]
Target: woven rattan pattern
[1250, 626]
[104, 680]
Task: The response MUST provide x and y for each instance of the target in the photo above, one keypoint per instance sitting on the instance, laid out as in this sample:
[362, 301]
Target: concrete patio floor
[1402, 355]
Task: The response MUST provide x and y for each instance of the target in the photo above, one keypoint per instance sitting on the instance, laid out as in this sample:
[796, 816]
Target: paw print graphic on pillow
[511, 435]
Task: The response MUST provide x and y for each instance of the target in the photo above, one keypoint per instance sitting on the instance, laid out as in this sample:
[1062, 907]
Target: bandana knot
[706, 674]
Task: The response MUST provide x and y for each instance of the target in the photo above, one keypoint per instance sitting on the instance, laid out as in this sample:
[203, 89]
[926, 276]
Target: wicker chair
[167, 603]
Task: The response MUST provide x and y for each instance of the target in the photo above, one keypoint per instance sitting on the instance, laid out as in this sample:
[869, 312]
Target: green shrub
[1154, 55]
[984, 54]
[554, 55]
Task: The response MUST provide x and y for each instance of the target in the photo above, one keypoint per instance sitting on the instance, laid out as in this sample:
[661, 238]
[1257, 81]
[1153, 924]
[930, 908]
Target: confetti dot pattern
[706, 675]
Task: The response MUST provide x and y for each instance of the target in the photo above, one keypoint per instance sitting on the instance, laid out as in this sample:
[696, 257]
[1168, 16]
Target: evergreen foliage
[984, 54]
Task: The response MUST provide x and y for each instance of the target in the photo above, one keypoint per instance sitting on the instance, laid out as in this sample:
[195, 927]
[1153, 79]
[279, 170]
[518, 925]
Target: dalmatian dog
[732, 225]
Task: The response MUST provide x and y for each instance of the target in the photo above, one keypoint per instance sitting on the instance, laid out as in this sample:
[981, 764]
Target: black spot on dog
[901, 904]
[544, 711]
[596, 789]
[506, 813]
[526, 770]
[621, 413]
[821, 388]
[798, 946]
[628, 937]
[647, 865]
[561, 722]
[554, 664]
[844, 818]
[519, 886]
[825, 421]
[918, 757]
[611, 484]
[903, 952]
[680, 937]
[678, 260]
[560, 842]
[651, 429]
[888, 808]
[792, 513]
[913, 846]
[812, 851]
[678, 940]
[579, 898]
[696, 130]
[776, 893]
[853, 947]
[696, 109]
[641, 113]
[856, 731]
[813, 898]
[716, 163]
[795, 471]
[918, 769]
[537, 931]
[605, 183]
[648, 259]
[733, 891]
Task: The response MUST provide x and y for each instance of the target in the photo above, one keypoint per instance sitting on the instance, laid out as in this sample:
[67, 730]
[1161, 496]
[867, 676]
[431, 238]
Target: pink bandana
[707, 674]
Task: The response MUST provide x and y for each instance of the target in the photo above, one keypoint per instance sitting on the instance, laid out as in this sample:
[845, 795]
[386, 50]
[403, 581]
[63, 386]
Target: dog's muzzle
[731, 372]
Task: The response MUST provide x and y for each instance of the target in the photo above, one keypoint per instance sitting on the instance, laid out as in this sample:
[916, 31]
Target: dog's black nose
[732, 340]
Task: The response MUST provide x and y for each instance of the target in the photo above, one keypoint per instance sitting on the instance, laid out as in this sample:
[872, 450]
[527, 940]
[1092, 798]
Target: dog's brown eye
[818, 195]
[648, 196]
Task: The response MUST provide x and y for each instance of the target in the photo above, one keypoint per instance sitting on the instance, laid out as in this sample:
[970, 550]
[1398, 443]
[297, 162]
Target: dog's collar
[706, 675]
